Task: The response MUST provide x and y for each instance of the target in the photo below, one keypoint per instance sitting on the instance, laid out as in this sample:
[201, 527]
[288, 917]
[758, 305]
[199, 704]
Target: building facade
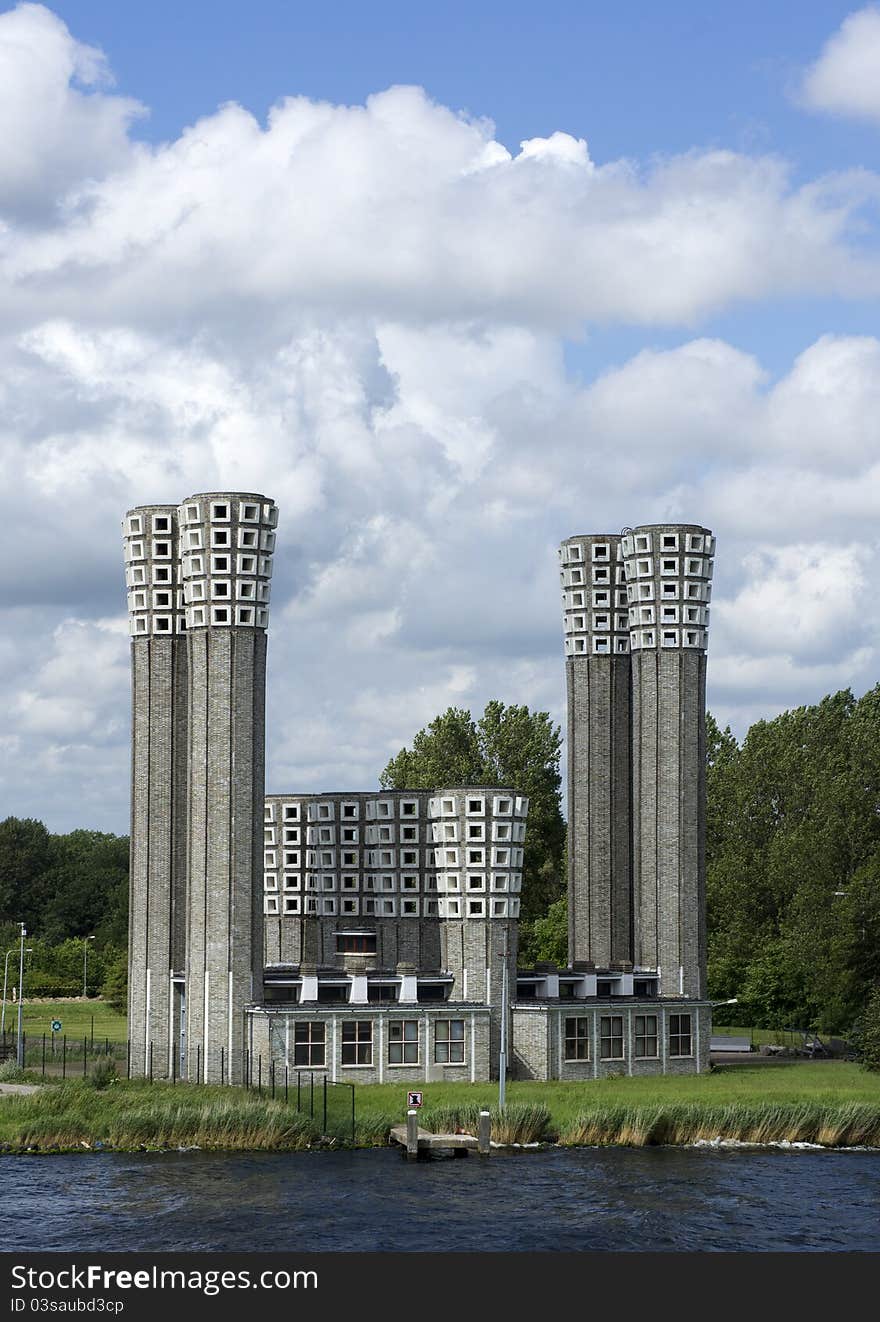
[373, 936]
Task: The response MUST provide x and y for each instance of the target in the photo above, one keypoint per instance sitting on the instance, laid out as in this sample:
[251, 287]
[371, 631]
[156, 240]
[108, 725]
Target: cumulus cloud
[398, 208]
[845, 79]
[62, 126]
[359, 310]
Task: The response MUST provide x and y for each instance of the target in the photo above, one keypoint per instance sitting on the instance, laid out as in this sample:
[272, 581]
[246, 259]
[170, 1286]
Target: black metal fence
[330, 1104]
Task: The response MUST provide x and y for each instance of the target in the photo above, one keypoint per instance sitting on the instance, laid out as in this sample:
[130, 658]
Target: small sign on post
[413, 1099]
[56, 1025]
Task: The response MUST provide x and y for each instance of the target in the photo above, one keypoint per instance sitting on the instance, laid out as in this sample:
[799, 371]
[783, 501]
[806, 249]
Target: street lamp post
[86, 940]
[502, 1054]
[19, 1054]
[10, 951]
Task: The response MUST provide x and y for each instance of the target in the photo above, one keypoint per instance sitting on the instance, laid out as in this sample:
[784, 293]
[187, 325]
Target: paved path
[19, 1087]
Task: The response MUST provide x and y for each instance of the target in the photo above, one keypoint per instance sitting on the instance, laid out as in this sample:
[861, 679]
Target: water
[583, 1199]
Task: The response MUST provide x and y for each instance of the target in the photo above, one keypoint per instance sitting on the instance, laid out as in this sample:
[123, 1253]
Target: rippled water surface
[610, 1199]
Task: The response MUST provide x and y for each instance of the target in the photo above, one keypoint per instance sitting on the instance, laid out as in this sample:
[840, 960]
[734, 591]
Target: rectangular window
[449, 1042]
[680, 1035]
[357, 1042]
[308, 1044]
[646, 1036]
[355, 943]
[403, 1042]
[611, 1037]
[577, 1039]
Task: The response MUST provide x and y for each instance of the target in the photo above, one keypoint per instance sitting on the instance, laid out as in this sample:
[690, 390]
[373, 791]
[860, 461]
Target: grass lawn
[835, 1103]
[833, 1083]
[77, 1018]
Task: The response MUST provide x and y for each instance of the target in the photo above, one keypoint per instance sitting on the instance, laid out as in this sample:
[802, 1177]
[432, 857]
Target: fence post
[272, 1076]
[128, 1057]
[247, 1069]
[412, 1133]
[85, 1056]
[150, 1055]
[44, 1055]
[298, 1089]
[484, 1133]
[198, 1062]
[260, 1074]
[173, 1063]
[286, 1068]
[312, 1096]
[64, 1057]
[352, 1114]
[324, 1129]
[222, 1065]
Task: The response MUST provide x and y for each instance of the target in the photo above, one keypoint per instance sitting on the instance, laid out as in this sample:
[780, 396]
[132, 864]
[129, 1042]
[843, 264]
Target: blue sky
[634, 79]
[230, 256]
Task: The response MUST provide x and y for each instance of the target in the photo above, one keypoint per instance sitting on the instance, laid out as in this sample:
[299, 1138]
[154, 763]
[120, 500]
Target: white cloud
[399, 209]
[358, 310]
[803, 601]
[845, 80]
[61, 129]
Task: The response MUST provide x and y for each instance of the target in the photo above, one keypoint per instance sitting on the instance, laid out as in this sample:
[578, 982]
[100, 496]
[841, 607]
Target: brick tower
[598, 685]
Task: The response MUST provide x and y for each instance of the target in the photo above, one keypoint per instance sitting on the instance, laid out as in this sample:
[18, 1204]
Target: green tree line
[65, 889]
[793, 860]
[792, 851]
[793, 865]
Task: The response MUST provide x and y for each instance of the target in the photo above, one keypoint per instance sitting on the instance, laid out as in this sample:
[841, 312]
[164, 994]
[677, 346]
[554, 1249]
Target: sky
[450, 284]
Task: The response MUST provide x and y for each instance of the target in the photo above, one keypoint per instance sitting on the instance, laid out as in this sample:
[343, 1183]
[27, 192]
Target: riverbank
[831, 1105]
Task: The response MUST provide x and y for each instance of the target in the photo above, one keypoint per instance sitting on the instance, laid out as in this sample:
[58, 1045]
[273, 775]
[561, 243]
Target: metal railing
[329, 1103]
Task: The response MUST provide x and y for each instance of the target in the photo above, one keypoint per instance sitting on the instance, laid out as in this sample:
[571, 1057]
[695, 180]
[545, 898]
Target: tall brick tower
[636, 630]
[157, 895]
[226, 544]
[598, 683]
[669, 571]
[198, 598]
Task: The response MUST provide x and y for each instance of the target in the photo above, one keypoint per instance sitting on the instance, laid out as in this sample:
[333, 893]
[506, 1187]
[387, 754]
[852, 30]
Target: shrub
[10, 1072]
[115, 985]
[868, 1033]
[104, 1073]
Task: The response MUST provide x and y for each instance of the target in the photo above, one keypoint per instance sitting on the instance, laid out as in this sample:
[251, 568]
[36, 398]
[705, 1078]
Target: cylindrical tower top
[227, 540]
[152, 576]
[669, 569]
[594, 599]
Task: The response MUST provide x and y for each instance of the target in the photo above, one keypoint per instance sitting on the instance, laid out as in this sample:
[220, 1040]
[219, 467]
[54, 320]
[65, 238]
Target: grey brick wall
[539, 1044]
[271, 1036]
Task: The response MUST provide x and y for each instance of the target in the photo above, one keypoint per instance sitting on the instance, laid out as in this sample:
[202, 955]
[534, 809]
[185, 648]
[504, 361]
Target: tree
[87, 887]
[546, 939]
[508, 746]
[793, 863]
[27, 852]
[115, 985]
